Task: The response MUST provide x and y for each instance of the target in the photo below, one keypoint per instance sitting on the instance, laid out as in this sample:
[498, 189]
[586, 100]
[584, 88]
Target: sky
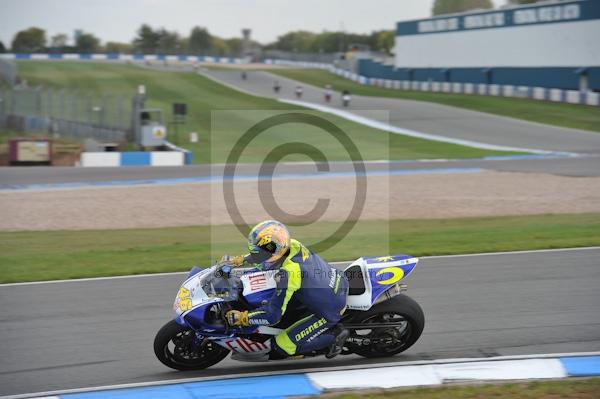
[118, 20]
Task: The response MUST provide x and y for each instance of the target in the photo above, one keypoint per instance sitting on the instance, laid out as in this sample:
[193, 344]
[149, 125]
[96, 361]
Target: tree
[219, 46]
[167, 42]
[31, 40]
[146, 40]
[58, 42]
[452, 6]
[327, 42]
[200, 41]
[236, 45]
[298, 41]
[2, 48]
[87, 43]
[384, 40]
[116, 47]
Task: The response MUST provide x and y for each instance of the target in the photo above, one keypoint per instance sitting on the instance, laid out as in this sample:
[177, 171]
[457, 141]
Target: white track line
[298, 371]
[387, 127]
[412, 133]
[79, 280]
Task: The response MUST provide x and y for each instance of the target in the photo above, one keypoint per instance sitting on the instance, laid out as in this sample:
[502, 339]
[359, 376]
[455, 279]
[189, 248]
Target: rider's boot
[276, 353]
[341, 335]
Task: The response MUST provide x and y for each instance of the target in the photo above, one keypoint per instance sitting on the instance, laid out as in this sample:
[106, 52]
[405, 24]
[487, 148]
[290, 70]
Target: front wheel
[179, 348]
[401, 311]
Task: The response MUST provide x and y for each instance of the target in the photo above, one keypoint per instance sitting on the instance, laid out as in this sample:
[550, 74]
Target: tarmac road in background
[100, 332]
[15, 177]
[424, 117]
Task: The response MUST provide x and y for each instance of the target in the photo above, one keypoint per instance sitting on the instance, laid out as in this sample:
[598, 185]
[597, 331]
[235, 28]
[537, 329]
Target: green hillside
[231, 113]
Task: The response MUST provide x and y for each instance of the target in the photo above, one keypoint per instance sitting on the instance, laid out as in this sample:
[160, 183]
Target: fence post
[50, 103]
[103, 110]
[38, 101]
[89, 109]
[2, 107]
[119, 118]
[62, 104]
[75, 107]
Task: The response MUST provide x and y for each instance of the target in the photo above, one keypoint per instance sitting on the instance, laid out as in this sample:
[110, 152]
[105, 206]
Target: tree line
[147, 41]
[199, 42]
[150, 40]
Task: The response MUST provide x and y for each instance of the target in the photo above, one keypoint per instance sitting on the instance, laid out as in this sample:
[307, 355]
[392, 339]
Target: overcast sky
[117, 20]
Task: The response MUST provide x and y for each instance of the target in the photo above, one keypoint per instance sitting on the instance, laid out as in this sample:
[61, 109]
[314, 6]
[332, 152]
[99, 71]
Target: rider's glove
[236, 318]
[235, 261]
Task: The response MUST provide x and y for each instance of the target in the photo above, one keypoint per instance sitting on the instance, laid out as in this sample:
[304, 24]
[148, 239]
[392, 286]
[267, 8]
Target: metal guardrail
[534, 93]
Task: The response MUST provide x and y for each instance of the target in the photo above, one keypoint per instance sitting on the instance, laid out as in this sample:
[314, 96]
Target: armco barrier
[124, 57]
[535, 93]
[420, 373]
[136, 158]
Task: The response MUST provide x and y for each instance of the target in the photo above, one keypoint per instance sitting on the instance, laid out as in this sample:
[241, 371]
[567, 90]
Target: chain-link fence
[66, 113]
[8, 72]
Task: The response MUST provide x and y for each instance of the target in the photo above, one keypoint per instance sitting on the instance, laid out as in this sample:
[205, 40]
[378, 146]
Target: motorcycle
[346, 100]
[382, 321]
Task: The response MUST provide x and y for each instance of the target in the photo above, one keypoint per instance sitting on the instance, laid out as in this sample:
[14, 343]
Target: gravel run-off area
[395, 197]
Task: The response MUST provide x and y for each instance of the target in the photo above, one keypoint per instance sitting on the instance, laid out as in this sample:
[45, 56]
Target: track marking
[81, 280]
[413, 133]
[297, 371]
[218, 179]
[390, 128]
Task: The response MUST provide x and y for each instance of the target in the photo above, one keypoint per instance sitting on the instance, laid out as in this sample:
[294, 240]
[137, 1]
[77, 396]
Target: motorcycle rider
[328, 92]
[302, 275]
[346, 97]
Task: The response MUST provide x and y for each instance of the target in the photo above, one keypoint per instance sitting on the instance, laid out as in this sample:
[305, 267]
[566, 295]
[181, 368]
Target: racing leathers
[308, 279]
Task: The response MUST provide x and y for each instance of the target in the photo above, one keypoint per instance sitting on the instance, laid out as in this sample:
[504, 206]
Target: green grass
[48, 255]
[560, 389]
[207, 99]
[567, 115]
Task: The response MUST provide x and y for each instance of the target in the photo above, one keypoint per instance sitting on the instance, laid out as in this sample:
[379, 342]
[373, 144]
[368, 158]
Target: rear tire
[402, 309]
[178, 347]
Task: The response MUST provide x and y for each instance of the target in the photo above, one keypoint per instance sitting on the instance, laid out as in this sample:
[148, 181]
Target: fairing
[379, 275]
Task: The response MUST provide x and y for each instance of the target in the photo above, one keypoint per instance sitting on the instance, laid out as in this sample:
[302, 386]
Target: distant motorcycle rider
[301, 275]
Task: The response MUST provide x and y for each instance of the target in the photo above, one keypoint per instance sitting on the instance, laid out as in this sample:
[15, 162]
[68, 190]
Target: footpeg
[338, 345]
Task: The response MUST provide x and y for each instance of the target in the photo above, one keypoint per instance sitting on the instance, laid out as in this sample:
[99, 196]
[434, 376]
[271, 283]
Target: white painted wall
[167, 158]
[543, 45]
[100, 159]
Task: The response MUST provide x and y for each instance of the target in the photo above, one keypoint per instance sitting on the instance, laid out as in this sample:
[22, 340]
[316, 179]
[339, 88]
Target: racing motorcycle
[382, 321]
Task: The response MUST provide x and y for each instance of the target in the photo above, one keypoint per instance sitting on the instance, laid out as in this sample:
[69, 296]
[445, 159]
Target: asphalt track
[21, 177]
[442, 120]
[74, 334]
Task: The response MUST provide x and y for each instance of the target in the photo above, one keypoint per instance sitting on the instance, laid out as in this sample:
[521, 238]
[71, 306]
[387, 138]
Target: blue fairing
[196, 317]
[195, 270]
[256, 299]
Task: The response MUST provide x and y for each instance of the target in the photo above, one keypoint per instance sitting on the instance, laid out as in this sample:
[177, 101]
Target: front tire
[179, 348]
[385, 342]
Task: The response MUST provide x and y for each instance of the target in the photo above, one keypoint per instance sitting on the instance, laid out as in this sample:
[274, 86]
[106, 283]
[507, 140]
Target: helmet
[268, 242]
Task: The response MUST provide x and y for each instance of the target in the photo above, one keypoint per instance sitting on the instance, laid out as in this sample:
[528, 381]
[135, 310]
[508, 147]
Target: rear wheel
[179, 348]
[408, 322]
